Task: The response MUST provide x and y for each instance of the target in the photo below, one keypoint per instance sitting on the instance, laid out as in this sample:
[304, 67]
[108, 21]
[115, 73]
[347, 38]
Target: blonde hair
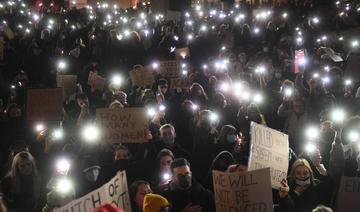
[16, 176]
[297, 163]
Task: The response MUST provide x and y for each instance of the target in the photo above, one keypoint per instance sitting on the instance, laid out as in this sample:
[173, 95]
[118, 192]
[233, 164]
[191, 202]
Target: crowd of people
[242, 66]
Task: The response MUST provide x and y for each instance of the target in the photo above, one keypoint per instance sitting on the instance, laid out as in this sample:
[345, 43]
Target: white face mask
[303, 182]
[92, 175]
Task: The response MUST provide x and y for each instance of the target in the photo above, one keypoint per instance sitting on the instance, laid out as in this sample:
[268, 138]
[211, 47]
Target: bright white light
[162, 107]
[284, 15]
[257, 98]
[176, 37]
[288, 92]
[117, 80]
[166, 176]
[39, 127]
[310, 147]
[184, 72]
[35, 17]
[64, 185]
[260, 70]
[353, 136]
[327, 68]
[348, 82]
[194, 107]
[151, 112]
[51, 22]
[224, 86]
[326, 80]
[354, 43]
[323, 38]
[341, 38]
[337, 2]
[256, 30]
[155, 65]
[61, 65]
[203, 28]
[299, 39]
[302, 61]
[312, 132]
[63, 166]
[58, 134]
[315, 20]
[213, 117]
[338, 115]
[190, 37]
[315, 75]
[90, 133]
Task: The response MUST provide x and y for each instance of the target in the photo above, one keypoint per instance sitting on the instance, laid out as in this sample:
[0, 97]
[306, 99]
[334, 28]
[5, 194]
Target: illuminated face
[165, 163]
[142, 190]
[121, 154]
[180, 172]
[301, 173]
[25, 166]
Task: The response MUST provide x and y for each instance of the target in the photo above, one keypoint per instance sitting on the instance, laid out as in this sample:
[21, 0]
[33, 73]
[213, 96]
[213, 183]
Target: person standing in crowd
[184, 192]
[138, 190]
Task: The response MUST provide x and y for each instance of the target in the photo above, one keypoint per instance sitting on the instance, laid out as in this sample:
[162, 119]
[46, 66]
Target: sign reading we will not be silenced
[269, 148]
[243, 192]
[115, 191]
[125, 125]
[349, 194]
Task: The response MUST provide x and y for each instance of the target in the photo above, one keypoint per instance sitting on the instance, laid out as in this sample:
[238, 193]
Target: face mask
[163, 90]
[230, 139]
[92, 175]
[303, 182]
[168, 140]
[185, 182]
[278, 75]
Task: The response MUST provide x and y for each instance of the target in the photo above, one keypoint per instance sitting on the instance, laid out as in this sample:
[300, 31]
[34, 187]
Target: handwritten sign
[96, 81]
[269, 148]
[349, 194]
[179, 83]
[115, 191]
[44, 104]
[248, 191]
[141, 76]
[169, 69]
[68, 82]
[125, 125]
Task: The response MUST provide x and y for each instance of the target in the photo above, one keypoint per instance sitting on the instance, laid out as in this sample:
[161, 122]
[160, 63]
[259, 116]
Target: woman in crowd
[138, 189]
[22, 186]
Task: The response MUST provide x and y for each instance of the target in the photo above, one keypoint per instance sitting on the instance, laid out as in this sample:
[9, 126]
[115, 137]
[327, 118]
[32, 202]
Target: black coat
[197, 195]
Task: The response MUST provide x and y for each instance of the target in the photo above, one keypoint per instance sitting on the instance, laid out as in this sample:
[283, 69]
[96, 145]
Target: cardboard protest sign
[169, 69]
[269, 148]
[349, 194]
[45, 104]
[182, 53]
[249, 191]
[299, 56]
[125, 125]
[141, 76]
[78, 4]
[330, 53]
[95, 81]
[115, 191]
[67, 82]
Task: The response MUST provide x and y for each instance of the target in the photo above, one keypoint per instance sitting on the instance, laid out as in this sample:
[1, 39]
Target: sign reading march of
[243, 192]
[349, 194]
[125, 125]
[269, 148]
[115, 191]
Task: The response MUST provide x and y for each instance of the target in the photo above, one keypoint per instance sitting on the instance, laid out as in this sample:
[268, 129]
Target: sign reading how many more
[125, 125]
[243, 192]
[115, 191]
[269, 148]
[169, 69]
[349, 194]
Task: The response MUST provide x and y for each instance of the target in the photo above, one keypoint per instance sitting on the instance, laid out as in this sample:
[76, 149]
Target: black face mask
[122, 164]
[184, 182]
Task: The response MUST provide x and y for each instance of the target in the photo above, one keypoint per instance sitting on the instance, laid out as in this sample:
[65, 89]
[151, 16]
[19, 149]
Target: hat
[154, 203]
[107, 208]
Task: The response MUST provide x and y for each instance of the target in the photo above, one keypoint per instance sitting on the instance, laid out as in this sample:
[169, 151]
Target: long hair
[16, 178]
[297, 163]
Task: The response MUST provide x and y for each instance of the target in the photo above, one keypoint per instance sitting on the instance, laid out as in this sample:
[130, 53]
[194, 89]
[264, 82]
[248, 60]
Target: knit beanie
[154, 202]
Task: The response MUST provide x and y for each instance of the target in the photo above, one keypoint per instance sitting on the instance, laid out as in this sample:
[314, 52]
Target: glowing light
[64, 185]
[39, 127]
[353, 136]
[310, 147]
[90, 133]
[338, 115]
[312, 132]
[63, 166]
